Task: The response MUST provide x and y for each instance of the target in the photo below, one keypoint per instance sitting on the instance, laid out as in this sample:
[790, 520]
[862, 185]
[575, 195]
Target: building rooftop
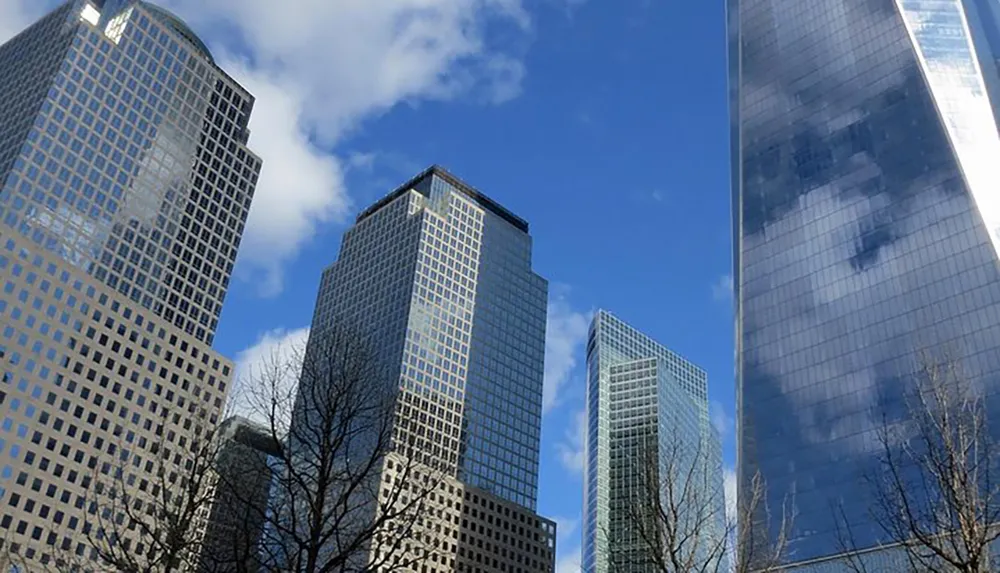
[477, 196]
[180, 27]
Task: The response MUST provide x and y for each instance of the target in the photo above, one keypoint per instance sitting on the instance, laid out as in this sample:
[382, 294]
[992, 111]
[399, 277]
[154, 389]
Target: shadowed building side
[234, 526]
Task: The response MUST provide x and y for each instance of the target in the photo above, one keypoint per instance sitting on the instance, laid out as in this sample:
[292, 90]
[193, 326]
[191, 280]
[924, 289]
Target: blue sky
[603, 123]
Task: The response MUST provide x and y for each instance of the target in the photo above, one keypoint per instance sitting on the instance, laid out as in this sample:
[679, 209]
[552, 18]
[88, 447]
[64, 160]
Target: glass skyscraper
[865, 153]
[125, 182]
[640, 395]
[439, 277]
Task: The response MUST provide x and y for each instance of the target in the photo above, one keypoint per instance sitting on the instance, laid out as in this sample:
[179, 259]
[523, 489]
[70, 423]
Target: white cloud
[570, 562]
[17, 15]
[300, 187]
[566, 526]
[723, 422]
[572, 449]
[276, 347]
[357, 58]
[565, 335]
[320, 69]
[722, 289]
[729, 481]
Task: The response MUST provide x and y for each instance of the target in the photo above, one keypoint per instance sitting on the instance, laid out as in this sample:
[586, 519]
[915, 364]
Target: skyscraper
[124, 187]
[648, 434]
[439, 277]
[866, 226]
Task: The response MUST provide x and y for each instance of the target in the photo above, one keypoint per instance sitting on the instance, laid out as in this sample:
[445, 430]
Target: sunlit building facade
[125, 182]
[866, 223]
[647, 421]
[438, 276]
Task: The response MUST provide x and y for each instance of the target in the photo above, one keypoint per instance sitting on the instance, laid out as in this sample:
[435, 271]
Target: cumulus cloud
[723, 422]
[572, 449]
[722, 288]
[565, 335]
[356, 58]
[729, 481]
[319, 70]
[276, 347]
[300, 187]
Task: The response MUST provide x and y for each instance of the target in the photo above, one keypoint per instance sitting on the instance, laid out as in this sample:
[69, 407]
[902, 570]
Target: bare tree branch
[935, 500]
[667, 511]
[348, 493]
[758, 548]
[144, 500]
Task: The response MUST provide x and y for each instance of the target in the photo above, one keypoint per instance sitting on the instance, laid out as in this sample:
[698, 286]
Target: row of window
[90, 406]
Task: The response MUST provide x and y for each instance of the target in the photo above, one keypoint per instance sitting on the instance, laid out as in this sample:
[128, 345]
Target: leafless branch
[761, 536]
[144, 500]
[347, 493]
[934, 497]
[669, 512]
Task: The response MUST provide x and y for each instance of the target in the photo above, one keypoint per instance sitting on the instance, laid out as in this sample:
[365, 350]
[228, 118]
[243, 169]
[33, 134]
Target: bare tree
[935, 499]
[760, 538]
[668, 513]
[335, 489]
[143, 506]
[346, 494]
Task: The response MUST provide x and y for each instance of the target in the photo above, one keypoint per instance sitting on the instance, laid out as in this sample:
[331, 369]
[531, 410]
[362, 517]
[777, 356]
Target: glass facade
[124, 186]
[245, 462]
[637, 389]
[440, 277]
[865, 148]
[124, 152]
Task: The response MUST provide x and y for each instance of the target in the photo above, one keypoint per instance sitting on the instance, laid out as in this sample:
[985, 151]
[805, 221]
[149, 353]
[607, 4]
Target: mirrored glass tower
[866, 220]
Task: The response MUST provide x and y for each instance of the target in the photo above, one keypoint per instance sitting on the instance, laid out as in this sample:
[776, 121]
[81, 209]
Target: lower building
[236, 515]
[470, 530]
